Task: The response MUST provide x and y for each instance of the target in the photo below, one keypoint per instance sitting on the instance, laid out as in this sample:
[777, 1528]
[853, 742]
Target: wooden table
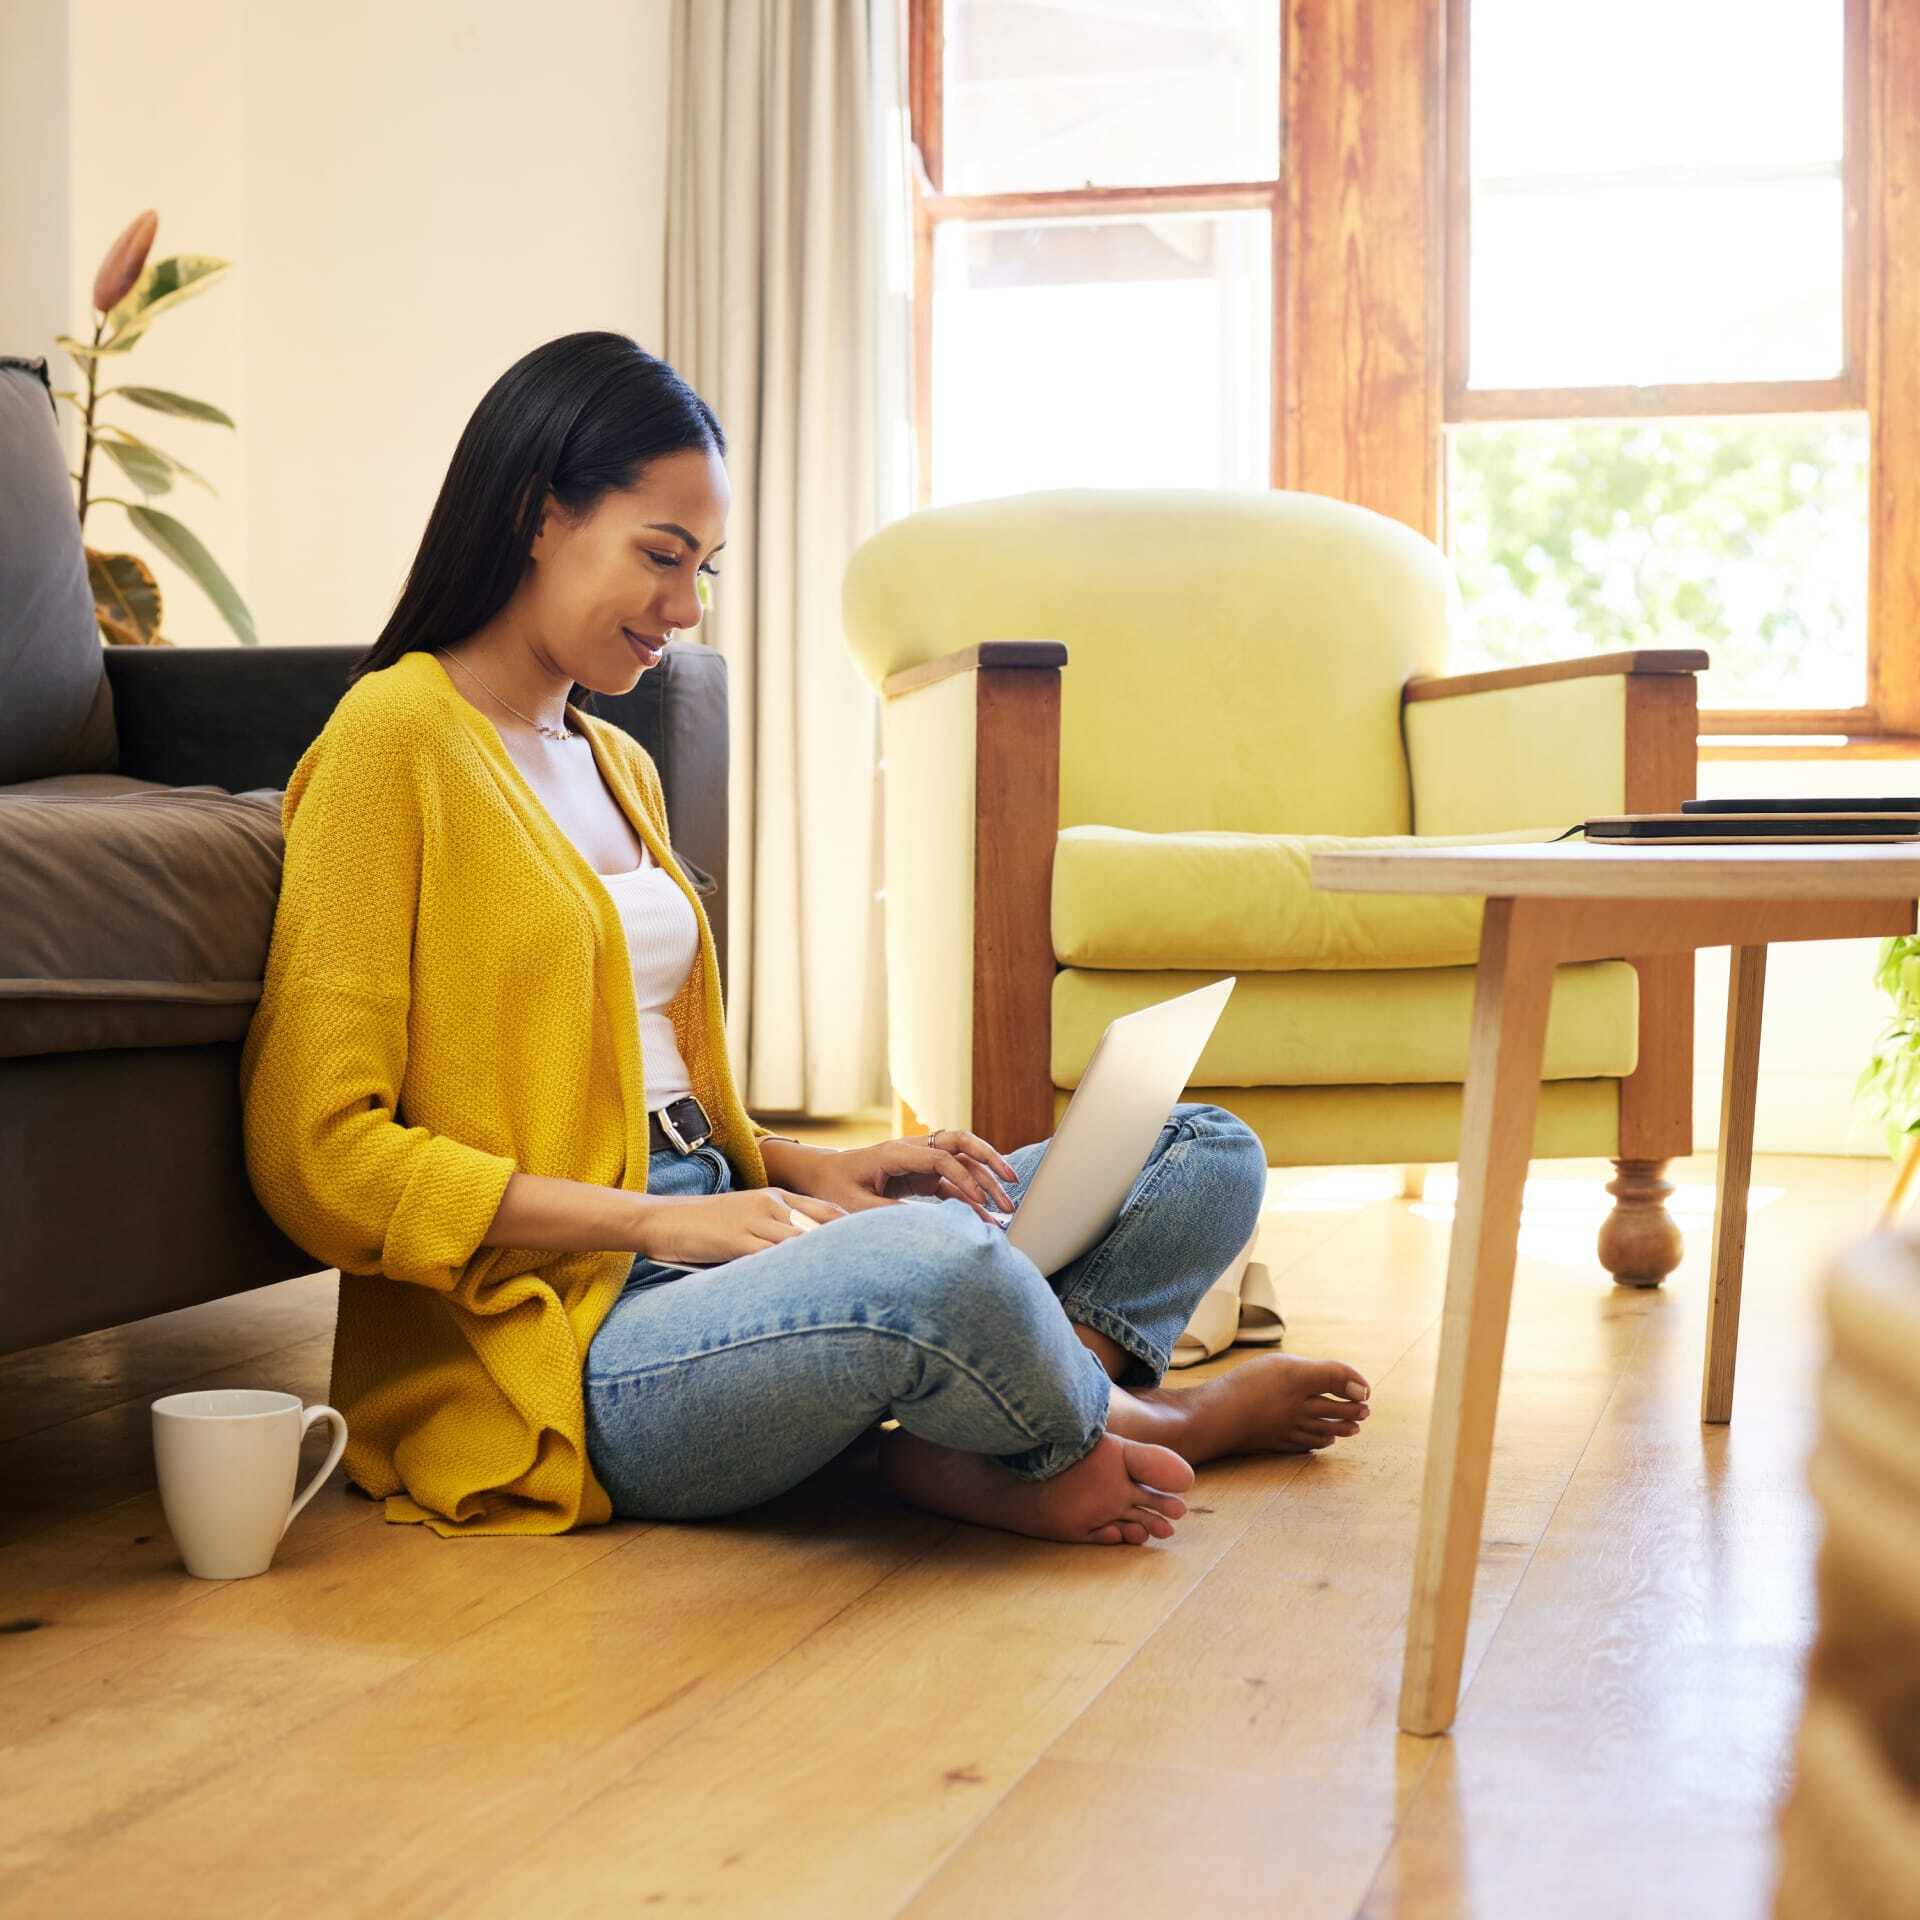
[1545, 905]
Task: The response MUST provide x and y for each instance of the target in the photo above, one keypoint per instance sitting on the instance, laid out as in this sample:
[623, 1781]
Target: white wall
[1822, 1012]
[36, 207]
[413, 196]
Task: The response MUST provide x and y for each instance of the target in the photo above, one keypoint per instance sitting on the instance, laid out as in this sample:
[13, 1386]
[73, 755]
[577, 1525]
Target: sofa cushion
[145, 912]
[1227, 900]
[56, 709]
[1405, 1027]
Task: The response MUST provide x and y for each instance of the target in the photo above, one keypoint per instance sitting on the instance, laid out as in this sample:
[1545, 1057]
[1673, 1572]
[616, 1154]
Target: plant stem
[86, 453]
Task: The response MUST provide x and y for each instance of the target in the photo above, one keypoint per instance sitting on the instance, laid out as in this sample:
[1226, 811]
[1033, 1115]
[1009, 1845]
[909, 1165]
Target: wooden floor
[843, 1708]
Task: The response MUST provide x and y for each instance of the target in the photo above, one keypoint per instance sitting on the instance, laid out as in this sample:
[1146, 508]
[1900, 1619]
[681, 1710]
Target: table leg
[1746, 988]
[1502, 1098]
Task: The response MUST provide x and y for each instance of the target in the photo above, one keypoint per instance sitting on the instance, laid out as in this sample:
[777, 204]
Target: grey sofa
[140, 851]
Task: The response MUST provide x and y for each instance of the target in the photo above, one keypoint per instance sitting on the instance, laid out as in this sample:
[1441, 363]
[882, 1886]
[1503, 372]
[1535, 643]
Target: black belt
[689, 1123]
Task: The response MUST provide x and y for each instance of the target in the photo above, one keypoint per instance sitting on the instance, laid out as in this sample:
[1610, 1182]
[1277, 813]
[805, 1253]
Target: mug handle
[327, 1465]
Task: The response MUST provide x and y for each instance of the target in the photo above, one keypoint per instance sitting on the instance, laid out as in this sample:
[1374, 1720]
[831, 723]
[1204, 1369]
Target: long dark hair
[578, 418]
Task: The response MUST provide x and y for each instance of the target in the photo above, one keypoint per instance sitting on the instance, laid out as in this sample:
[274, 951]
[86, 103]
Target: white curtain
[787, 289]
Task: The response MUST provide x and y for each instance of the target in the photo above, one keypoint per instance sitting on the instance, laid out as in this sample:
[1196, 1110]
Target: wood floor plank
[140, 1361]
[219, 1686]
[101, 1458]
[1660, 1632]
[828, 1784]
[116, 1570]
[1283, 1668]
[842, 1706]
[578, 1682]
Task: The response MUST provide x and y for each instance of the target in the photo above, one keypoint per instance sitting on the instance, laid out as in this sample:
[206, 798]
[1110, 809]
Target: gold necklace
[552, 733]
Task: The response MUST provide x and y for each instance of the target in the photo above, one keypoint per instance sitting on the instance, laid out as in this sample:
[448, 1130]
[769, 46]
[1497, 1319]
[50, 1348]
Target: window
[1094, 290]
[1655, 384]
[1611, 298]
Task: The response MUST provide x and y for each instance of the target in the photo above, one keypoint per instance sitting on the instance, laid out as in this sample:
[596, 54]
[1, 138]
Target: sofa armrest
[972, 798]
[240, 718]
[1546, 746]
[222, 716]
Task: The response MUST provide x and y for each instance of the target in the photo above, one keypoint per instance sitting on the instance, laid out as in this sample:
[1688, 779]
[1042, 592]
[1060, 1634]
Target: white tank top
[664, 942]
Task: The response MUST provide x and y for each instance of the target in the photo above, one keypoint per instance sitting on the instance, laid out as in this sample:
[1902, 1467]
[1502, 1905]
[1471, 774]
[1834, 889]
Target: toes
[1157, 1466]
[1156, 1524]
[1169, 1503]
[1107, 1536]
[1132, 1532]
[1337, 1378]
[1328, 1408]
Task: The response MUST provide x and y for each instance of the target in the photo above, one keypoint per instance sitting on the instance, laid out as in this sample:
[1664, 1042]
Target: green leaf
[146, 470]
[162, 286]
[182, 546]
[162, 401]
[126, 599]
[111, 437]
[86, 350]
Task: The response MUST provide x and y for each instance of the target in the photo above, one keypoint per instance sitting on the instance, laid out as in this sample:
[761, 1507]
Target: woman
[487, 1079]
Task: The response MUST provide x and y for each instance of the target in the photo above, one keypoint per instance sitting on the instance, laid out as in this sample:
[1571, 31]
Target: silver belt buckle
[673, 1133]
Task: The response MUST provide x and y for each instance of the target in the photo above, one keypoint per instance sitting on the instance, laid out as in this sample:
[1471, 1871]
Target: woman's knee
[1236, 1152]
[953, 1278]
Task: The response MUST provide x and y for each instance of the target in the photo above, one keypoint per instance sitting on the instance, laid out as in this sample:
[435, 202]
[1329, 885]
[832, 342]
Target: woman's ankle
[1150, 1415]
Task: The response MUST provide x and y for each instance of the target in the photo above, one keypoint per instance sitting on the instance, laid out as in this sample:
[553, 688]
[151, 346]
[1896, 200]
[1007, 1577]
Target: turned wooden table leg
[1639, 1242]
[1502, 1099]
[1746, 989]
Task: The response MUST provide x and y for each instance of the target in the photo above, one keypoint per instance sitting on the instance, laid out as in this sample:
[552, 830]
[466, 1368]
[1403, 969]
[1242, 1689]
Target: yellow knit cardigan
[448, 1000]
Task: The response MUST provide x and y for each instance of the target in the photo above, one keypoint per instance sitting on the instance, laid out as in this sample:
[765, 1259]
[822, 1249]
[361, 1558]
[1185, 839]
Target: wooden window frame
[1881, 150]
[1370, 268]
[932, 206]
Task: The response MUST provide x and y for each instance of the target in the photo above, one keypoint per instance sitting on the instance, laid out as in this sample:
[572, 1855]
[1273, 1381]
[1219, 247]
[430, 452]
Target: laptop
[1136, 1075]
[1139, 1067]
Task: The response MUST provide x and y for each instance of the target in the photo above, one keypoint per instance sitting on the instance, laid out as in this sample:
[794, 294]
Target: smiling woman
[487, 1078]
[587, 496]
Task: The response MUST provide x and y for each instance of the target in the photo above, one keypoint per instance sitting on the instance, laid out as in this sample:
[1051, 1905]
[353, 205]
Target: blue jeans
[710, 1389]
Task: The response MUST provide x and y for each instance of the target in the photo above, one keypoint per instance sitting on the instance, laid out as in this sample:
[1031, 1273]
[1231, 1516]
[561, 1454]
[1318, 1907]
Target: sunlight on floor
[1559, 1217]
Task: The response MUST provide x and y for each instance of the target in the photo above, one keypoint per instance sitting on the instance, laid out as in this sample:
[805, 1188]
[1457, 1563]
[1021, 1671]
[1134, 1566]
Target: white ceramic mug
[226, 1458]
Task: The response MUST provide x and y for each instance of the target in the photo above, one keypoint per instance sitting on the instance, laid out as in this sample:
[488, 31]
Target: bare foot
[1121, 1492]
[1268, 1403]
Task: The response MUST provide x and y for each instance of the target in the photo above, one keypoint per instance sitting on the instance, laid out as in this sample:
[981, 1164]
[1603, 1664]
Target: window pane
[1129, 93]
[1640, 287]
[1747, 538]
[1656, 191]
[1581, 86]
[1115, 353]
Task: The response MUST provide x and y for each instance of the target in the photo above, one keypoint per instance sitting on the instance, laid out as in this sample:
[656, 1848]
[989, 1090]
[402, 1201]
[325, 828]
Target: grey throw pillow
[56, 706]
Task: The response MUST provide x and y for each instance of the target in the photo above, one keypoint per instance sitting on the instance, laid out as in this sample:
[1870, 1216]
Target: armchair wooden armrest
[1433, 686]
[972, 821]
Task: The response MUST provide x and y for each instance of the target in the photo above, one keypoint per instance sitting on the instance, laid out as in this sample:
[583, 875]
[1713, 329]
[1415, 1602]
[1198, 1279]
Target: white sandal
[1216, 1320]
[1260, 1321]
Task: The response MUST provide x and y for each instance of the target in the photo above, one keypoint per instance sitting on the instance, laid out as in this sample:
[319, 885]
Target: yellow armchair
[1123, 806]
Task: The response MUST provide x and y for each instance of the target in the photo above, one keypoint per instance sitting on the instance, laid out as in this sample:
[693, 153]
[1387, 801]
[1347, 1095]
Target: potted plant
[128, 296]
[1890, 1082]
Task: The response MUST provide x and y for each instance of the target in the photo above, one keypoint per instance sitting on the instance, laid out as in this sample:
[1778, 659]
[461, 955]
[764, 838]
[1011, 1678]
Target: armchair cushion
[1354, 1029]
[1227, 901]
